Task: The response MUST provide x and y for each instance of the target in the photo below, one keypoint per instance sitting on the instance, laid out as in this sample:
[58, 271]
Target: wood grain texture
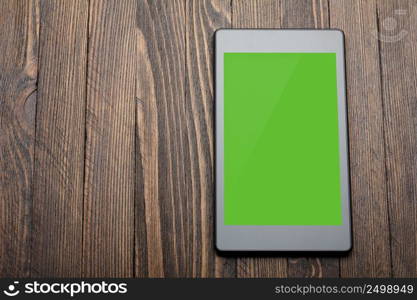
[397, 23]
[203, 18]
[163, 132]
[308, 14]
[304, 14]
[109, 186]
[19, 33]
[258, 14]
[59, 149]
[370, 256]
[148, 246]
[313, 267]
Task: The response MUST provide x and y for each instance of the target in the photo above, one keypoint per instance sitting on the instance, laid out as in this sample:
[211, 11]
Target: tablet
[282, 177]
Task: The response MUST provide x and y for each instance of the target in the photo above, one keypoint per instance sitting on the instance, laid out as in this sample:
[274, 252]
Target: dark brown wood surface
[57, 202]
[106, 136]
[109, 174]
[371, 254]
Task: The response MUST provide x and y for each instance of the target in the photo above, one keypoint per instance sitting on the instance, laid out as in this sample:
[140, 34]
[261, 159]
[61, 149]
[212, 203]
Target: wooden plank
[109, 187]
[258, 14]
[308, 14]
[203, 18]
[19, 33]
[59, 150]
[370, 256]
[148, 245]
[305, 14]
[397, 22]
[164, 142]
[313, 267]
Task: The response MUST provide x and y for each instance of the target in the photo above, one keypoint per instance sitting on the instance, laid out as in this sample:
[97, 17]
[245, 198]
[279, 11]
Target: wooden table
[106, 117]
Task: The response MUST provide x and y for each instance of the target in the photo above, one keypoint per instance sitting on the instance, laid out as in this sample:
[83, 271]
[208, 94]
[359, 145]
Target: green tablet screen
[281, 146]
